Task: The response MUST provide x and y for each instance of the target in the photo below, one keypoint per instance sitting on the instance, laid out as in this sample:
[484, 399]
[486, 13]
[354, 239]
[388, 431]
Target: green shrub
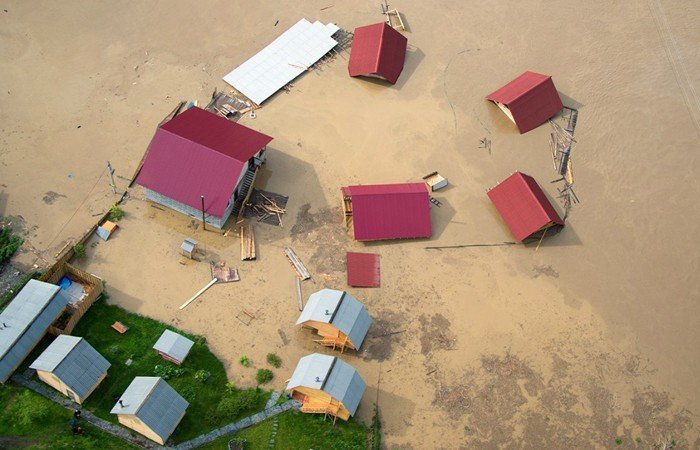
[9, 243]
[274, 360]
[264, 376]
[245, 362]
[234, 404]
[202, 375]
[115, 213]
[79, 250]
[167, 372]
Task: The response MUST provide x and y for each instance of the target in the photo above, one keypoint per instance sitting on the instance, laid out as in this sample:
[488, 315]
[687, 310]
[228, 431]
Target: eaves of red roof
[531, 98]
[379, 50]
[198, 153]
[523, 205]
[390, 211]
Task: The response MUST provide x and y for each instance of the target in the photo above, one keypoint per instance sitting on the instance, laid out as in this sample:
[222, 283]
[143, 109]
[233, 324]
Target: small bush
[9, 243]
[264, 376]
[168, 372]
[245, 362]
[202, 375]
[79, 251]
[115, 213]
[274, 360]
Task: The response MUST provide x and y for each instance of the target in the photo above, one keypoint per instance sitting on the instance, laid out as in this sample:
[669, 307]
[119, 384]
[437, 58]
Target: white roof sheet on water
[73, 361]
[341, 310]
[174, 345]
[331, 375]
[283, 60]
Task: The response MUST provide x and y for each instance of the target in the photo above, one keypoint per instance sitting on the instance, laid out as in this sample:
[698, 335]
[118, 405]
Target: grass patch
[264, 376]
[201, 379]
[297, 430]
[28, 420]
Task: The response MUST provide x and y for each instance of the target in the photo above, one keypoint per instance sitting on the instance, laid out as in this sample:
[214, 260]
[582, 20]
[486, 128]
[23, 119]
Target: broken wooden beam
[200, 292]
[299, 300]
[298, 265]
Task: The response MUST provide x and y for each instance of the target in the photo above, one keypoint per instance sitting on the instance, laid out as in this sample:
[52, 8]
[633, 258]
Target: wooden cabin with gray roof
[71, 366]
[151, 407]
[339, 318]
[324, 384]
[26, 320]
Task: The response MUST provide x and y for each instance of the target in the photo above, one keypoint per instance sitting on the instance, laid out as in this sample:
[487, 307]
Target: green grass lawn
[301, 431]
[28, 420]
[136, 344]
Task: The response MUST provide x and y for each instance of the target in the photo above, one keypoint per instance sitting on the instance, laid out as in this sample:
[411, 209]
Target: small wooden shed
[72, 367]
[326, 385]
[151, 407]
[173, 347]
[338, 317]
[189, 248]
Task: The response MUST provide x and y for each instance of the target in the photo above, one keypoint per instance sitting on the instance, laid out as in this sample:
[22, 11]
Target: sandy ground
[592, 337]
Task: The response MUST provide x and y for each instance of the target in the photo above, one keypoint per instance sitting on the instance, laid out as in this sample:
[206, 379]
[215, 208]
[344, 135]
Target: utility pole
[204, 223]
[111, 178]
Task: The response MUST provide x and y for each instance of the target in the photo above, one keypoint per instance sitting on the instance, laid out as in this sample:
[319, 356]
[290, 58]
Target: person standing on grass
[77, 414]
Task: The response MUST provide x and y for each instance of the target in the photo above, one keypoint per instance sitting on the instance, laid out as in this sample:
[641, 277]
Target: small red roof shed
[529, 100]
[525, 208]
[377, 50]
[388, 211]
[199, 153]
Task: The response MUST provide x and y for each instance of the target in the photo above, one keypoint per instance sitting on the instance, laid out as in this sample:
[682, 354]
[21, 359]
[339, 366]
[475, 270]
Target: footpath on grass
[271, 410]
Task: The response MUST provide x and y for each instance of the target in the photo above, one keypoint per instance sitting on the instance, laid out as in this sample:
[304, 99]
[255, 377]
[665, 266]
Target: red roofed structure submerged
[388, 211]
[379, 51]
[197, 154]
[525, 208]
[529, 100]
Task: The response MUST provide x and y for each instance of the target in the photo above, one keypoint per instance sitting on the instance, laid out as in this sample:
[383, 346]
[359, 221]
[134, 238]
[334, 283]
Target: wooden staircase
[244, 191]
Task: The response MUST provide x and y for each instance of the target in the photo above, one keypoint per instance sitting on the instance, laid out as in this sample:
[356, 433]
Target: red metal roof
[531, 99]
[390, 211]
[199, 153]
[523, 205]
[363, 269]
[377, 50]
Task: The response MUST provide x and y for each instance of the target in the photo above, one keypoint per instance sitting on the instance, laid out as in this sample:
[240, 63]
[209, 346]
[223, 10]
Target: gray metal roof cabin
[330, 375]
[151, 407]
[342, 312]
[173, 347]
[71, 366]
[25, 321]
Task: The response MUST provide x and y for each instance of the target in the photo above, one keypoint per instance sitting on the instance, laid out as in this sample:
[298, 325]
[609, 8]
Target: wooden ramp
[247, 243]
[298, 266]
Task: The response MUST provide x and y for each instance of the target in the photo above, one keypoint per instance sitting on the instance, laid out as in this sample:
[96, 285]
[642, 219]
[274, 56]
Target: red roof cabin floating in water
[377, 51]
[529, 100]
[525, 208]
[196, 154]
[388, 211]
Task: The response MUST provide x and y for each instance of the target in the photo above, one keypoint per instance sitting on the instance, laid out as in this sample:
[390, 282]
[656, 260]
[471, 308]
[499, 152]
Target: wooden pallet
[247, 243]
[298, 266]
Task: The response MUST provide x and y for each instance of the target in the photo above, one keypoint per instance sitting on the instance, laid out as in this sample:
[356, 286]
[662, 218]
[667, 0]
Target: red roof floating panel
[377, 50]
[531, 99]
[390, 211]
[199, 153]
[363, 269]
[523, 205]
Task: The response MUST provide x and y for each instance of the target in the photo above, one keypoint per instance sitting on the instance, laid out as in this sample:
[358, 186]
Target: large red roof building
[379, 51]
[196, 154]
[529, 100]
[525, 208]
[388, 211]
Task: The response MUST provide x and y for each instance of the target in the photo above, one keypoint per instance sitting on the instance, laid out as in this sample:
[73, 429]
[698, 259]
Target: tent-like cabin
[326, 385]
[388, 211]
[529, 100]
[525, 208]
[377, 51]
[71, 366]
[151, 407]
[173, 347]
[199, 154]
[25, 321]
[338, 317]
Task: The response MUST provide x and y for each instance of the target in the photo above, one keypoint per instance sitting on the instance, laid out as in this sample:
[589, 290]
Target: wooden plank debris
[200, 292]
[298, 265]
[120, 327]
[299, 300]
[247, 243]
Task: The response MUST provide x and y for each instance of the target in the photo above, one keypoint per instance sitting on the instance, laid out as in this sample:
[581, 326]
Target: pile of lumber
[247, 243]
[268, 208]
